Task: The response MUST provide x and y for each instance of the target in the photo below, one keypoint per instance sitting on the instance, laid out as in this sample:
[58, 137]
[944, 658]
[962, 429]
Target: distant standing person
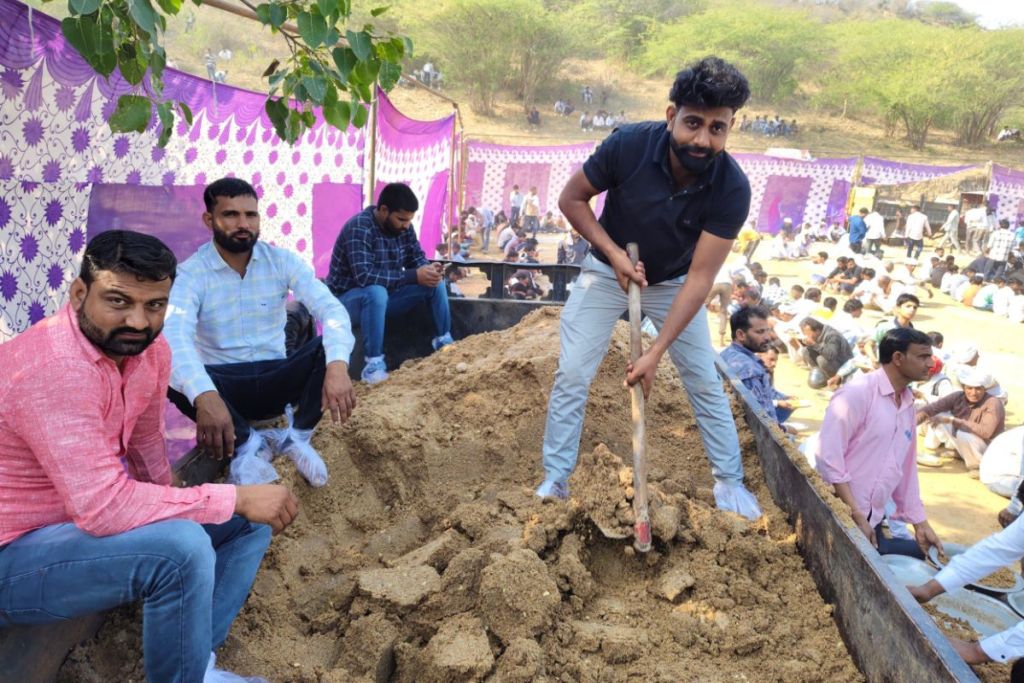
[951, 230]
[976, 220]
[858, 231]
[515, 201]
[875, 234]
[674, 190]
[917, 227]
[531, 212]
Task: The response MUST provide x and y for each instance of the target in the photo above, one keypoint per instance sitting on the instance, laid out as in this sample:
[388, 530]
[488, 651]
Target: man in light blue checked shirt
[225, 325]
[379, 271]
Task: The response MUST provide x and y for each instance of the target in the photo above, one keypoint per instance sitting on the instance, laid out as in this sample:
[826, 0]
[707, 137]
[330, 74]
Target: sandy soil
[428, 557]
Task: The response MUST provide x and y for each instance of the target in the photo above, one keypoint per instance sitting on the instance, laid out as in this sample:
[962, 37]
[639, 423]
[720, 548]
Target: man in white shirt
[515, 201]
[225, 326]
[999, 550]
[531, 212]
[916, 228]
[1001, 464]
[1002, 297]
[875, 234]
[976, 220]
[951, 230]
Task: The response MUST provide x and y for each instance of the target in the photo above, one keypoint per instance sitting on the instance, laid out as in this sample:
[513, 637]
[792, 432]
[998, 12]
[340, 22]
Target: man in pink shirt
[89, 518]
[868, 444]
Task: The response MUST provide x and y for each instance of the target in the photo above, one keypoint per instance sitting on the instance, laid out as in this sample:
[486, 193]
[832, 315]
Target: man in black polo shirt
[674, 191]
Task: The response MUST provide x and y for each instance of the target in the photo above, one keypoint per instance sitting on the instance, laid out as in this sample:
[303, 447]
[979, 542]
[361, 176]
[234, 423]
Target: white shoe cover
[214, 675]
[307, 461]
[249, 466]
[734, 497]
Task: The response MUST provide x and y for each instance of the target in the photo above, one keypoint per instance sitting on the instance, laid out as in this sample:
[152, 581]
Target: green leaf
[132, 114]
[143, 14]
[377, 11]
[366, 71]
[389, 75]
[93, 37]
[327, 7]
[186, 112]
[277, 112]
[83, 6]
[166, 114]
[407, 42]
[170, 6]
[157, 62]
[332, 37]
[360, 44]
[293, 127]
[334, 112]
[345, 59]
[312, 27]
[131, 63]
[359, 116]
[272, 14]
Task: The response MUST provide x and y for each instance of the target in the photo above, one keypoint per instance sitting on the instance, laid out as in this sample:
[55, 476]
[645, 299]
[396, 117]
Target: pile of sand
[427, 558]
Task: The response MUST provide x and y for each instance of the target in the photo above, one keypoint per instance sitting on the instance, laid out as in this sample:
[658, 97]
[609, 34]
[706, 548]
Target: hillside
[253, 47]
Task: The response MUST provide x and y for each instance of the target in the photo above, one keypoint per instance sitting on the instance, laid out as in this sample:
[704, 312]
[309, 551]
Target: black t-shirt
[643, 205]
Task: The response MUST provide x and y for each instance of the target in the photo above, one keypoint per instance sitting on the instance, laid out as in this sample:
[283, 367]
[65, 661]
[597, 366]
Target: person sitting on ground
[506, 233]
[514, 245]
[903, 316]
[965, 421]
[573, 248]
[523, 286]
[867, 447]
[751, 335]
[980, 560]
[984, 299]
[1002, 465]
[773, 294]
[378, 271]
[226, 330]
[910, 280]
[529, 253]
[441, 251]
[967, 294]
[828, 308]
[453, 274]
[952, 280]
[847, 321]
[1002, 297]
[981, 264]
[91, 519]
[548, 224]
[939, 269]
[824, 351]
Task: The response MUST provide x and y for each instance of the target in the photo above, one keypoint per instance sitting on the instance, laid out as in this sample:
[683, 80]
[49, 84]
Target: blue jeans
[588, 318]
[372, 305]
[193, 579]
[896, 546]
[485, 237]
[914, 245]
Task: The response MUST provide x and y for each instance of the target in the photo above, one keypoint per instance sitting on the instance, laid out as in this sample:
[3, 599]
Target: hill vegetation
[917, 80]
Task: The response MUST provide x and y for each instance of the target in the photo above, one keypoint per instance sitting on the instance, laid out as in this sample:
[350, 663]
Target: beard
[112, 342]
[233, 244]
[695, 165]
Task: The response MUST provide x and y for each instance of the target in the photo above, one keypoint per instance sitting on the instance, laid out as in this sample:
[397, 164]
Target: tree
[489, 44]
[896, 70]
[944, 13]
[330, 66]
[987, 86]
[619, 28]
[770, 46]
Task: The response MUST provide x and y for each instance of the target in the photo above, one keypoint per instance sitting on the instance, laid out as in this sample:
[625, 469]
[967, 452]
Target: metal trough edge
[890, 637]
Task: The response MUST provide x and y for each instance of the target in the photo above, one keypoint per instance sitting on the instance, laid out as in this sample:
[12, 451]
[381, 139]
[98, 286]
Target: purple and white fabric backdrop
[417, 153]
[1008, 185]
[493, 170]
[55, 148]
[776, 188]
[877, 171]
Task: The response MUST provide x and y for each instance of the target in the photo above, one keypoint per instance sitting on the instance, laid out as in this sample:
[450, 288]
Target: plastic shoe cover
[248, 466]
[558, 490]
[375, 370]
[443, 340]
[307, 461]
[273, 442]
[214, 675]
[736, 498]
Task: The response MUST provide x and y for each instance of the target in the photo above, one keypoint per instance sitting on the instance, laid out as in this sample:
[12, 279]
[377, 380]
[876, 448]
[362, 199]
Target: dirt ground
[961, 509]
[428, 558]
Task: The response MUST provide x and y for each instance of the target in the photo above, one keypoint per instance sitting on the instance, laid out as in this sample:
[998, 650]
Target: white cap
[975, 377]
[965, 353]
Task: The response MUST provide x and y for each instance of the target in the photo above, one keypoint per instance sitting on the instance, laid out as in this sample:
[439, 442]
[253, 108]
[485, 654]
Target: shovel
[642, 525]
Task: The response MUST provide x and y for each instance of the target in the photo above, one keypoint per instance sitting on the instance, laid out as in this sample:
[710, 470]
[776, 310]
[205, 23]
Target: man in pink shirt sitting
[89, 518]
[868, 444]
